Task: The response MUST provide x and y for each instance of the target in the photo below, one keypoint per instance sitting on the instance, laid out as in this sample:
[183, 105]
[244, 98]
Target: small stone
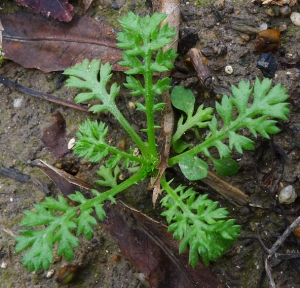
[18, 102]
[287, 195]
[263, 26]
[285, 10]
[267, 64]
[3, 265]
[270, 12]
[122, 177]
[50, 273]
[131, 105]
[71, 143]
[295, 18]
[219, 4]
[229, 69]
[121, 145]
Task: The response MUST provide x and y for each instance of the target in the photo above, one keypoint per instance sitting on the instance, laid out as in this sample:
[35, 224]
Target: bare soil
[273, 165]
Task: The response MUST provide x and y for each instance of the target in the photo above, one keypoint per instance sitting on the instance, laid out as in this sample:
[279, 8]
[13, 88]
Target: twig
[201, 68]
[282, 238]
[269, 274]
[286, 256]
[8, 231]
[41, 95]
[272, 252]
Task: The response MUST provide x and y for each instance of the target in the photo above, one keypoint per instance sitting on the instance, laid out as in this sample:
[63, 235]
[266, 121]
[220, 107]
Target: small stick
[228, 191]
[8, 231]
[286, 256]
[282, 238]
[41, 95]
[272, 252]
[201, 68]
[269, 274]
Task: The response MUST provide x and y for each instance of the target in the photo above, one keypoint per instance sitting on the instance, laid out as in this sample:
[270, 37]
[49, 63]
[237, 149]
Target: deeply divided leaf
[199, 223]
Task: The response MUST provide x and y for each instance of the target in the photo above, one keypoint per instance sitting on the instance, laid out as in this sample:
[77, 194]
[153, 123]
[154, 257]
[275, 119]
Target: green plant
[197, 221]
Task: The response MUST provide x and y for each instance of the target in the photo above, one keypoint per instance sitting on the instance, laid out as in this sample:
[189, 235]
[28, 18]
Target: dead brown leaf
[67, 183]
[34, 41]
[153, 251]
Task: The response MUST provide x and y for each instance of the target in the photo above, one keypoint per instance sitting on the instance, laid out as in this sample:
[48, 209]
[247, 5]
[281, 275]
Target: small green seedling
[197, 221]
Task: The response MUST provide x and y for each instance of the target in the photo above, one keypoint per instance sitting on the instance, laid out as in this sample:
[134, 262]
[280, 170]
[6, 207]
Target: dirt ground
[226, 37]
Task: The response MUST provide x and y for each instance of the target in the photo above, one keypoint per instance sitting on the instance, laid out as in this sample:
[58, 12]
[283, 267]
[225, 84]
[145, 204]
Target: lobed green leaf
[197, 221]
[109, 176]
[85, 222]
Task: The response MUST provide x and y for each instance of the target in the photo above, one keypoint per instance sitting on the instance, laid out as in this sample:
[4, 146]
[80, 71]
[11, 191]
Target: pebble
[71, 143]
[295, 18]
[3, 265]
[270, 12]
[219, 4]
[131, 105]
[229, 69]
[18, 102]
[263, 26]
[50, 273]
[285, 10]
[287, 195]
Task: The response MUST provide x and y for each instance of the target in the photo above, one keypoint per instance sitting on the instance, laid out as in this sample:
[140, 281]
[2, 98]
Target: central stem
[149, 101]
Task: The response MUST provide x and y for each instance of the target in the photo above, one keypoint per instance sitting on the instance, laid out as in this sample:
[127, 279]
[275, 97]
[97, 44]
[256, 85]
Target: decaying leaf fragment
[58, 9]
[53, 136]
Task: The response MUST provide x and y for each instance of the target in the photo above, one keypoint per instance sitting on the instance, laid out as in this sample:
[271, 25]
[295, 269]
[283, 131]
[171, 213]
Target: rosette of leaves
[197, 221]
